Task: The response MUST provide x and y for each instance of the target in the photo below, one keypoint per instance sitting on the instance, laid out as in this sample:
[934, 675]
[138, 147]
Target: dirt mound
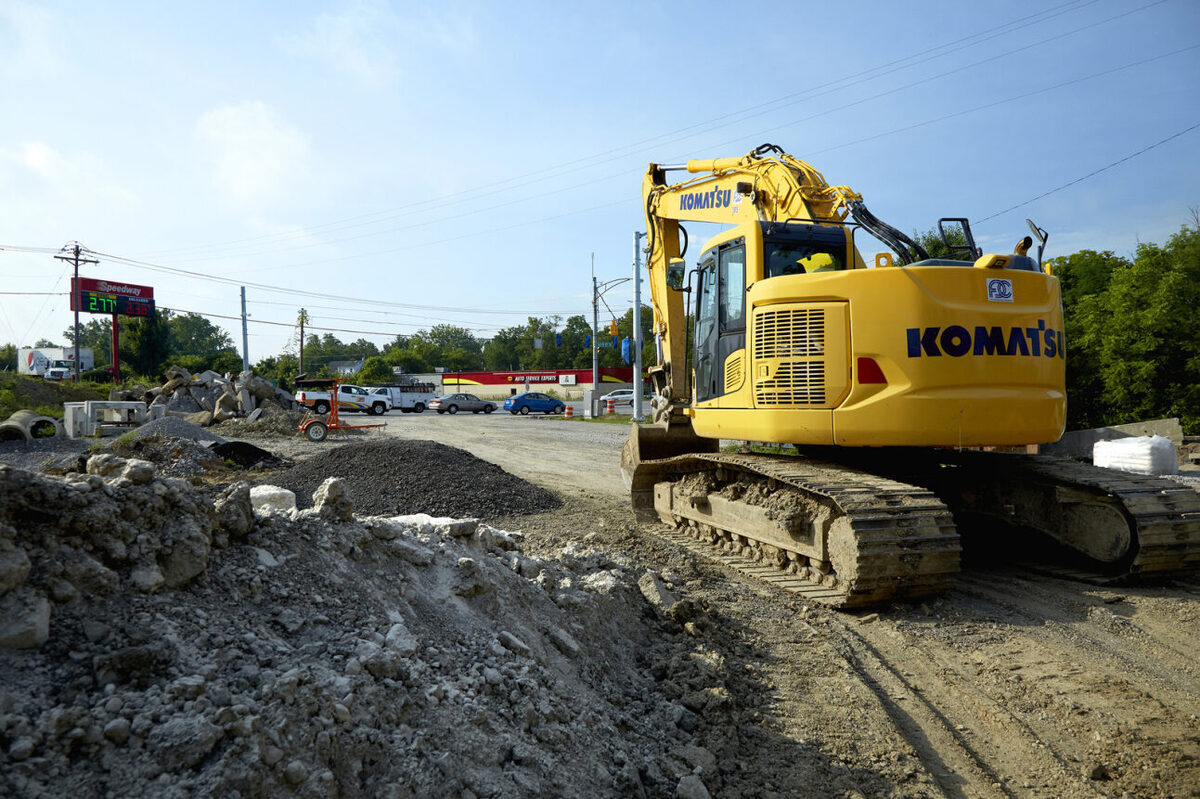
[171, 648]
[247, 456]
[400, 477]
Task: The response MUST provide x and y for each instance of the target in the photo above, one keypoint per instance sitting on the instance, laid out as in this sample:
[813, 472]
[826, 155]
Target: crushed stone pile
[396, 476]
[174, 427]
[159, 641]
[273, 421]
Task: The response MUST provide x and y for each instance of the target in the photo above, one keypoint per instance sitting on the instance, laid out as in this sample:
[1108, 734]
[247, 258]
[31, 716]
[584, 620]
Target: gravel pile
[44, 453]
[174, 427]
[394, 477]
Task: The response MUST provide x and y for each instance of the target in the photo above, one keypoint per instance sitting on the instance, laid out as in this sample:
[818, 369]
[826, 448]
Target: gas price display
[107, 297]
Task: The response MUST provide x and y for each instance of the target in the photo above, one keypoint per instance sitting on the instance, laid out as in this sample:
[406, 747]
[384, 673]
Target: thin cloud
[370, 43]
[27, 42]
[354, 42]
[255, 156]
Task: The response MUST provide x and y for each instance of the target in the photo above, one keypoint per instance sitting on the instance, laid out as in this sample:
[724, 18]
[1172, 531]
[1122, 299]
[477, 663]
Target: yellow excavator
[888, 377]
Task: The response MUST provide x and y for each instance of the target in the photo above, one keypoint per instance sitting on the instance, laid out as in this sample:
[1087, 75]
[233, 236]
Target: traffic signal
[612, 328]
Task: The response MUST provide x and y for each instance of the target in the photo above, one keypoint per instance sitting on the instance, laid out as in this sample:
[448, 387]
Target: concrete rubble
[161, 640]
[210, 398]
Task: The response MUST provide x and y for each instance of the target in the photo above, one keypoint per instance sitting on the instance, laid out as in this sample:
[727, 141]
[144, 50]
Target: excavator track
[835, 535]
[1126, 526]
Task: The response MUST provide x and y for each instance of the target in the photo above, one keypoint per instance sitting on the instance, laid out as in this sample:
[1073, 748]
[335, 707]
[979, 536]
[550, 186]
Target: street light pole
[637, 326]
[595, 325]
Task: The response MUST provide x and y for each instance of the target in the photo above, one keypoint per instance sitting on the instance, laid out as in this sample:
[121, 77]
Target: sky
[390, 166]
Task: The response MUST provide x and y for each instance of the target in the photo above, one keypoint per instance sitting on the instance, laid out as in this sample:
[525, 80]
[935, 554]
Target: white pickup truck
[350, 398]
[407, 397]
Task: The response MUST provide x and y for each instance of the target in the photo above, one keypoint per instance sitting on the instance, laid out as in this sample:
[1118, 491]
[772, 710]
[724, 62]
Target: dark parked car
[453, 403]
[533, 401]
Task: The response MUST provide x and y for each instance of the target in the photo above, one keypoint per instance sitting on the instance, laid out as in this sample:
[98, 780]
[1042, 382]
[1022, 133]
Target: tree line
[1132, 331]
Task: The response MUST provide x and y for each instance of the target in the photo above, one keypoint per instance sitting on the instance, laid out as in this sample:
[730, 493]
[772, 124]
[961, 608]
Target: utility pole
[303, 318]
[245, 337]
[637, 327]
[75, 251]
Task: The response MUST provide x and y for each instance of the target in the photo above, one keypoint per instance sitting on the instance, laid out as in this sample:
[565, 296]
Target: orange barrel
[568, 413]
[611, 406]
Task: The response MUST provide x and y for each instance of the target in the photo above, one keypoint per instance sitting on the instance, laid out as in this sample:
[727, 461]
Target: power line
[298, 292]
[1093, 174]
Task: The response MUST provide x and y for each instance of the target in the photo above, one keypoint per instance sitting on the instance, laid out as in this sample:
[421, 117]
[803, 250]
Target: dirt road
[1015, 683]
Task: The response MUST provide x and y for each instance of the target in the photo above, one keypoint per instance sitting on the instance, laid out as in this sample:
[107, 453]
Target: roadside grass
[43, 397]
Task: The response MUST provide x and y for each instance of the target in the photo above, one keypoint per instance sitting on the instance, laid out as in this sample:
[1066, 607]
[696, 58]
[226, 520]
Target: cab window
[799, 258]
[733, 287]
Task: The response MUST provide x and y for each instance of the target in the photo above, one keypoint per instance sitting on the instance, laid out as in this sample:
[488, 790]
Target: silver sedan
[453, 403]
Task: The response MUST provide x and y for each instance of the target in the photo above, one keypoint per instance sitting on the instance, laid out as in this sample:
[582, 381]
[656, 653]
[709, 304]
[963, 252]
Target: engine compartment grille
[790, 344]
[791, 333]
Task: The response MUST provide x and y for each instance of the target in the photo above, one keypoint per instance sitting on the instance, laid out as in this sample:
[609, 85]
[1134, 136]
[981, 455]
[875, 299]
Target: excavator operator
[800, 261]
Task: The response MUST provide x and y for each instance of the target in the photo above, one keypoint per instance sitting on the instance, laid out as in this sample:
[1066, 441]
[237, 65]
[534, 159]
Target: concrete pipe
[25, 425]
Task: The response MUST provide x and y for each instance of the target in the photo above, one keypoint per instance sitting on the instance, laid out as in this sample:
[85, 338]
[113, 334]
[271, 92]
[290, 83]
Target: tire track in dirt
[1116, 645]
[954, 712]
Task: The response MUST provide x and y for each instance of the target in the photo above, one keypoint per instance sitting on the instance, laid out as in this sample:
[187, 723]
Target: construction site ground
[1014, 683]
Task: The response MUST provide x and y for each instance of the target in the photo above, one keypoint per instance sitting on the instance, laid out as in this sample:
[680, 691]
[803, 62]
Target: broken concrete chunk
[147, 577]
[183, 742]
[330, 499]
[438, 525]
[14, 563]
[105, 465]
[563, 642]
[24, 620]
[691, 787]
[272, 499]
[235, 510]
[656, 592]
[401, 641]
[514, 644]
[138, 472]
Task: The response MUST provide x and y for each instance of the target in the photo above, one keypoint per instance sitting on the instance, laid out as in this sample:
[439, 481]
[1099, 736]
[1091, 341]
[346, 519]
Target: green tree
[8, 357]
[146, 345]
[279, 369]
[1145, 332]
[931, 241]
[1081, 276]
[94, 333]
[192, 334]
[375, 370]
[500, 354]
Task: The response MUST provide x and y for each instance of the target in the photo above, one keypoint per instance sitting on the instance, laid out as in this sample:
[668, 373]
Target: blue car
[533, 401]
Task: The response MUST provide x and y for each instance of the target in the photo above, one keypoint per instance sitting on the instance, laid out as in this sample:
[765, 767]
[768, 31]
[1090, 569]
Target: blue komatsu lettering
[1016, 340]
[989, 341]
[958, 340]
[955, 341]
[923, 341]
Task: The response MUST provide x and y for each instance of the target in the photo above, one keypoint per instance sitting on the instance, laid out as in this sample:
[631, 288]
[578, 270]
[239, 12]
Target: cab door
[720, 320]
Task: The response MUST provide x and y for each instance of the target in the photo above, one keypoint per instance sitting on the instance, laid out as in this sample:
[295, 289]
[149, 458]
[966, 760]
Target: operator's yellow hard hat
[817, 262]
